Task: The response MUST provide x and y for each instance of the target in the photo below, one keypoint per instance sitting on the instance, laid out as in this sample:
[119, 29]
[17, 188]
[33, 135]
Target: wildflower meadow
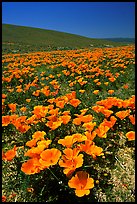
[68, 125]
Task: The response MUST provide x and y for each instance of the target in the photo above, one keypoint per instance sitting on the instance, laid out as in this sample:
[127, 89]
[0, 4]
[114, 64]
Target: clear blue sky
[90, 19]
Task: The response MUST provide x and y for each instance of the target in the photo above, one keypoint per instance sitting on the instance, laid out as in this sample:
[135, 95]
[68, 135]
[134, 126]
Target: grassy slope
[28, 38]
[122, 40]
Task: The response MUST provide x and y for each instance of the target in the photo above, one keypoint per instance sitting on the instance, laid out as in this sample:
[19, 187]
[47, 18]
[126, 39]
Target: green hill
[122, 40]
[25, 39]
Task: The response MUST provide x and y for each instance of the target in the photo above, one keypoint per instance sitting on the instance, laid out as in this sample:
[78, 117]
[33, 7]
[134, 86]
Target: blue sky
[90, 19]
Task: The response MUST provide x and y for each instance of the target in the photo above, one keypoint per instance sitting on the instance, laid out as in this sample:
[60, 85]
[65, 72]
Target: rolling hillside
[122, 40]
[25, 39]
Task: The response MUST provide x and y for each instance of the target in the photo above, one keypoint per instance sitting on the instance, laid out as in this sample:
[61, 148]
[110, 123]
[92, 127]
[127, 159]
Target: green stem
[57, 178]
[86, 166]
[53, 174]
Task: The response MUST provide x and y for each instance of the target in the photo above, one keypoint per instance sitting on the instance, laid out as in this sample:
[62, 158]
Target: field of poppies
[68, 125]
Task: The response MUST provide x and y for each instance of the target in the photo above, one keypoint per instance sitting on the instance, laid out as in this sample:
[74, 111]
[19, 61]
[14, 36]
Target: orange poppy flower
[65, 119]
[49, 157]
[132, 119]
[68, 141]
[13, 118]
[31, 143]
[90, 148]
[4, 198]
[39, 135]
[110, 123]
[90, 136]
[75, 102]
[36, 93]
[106, 83]
[125, 103]
[54, 125]
[21, 119]
[45, 91]
[110, 91]
[46, 143]
[60, 104]
[4, 96]
[19, 90]
[82, 118]
[12, 107]
[77, 121]
[6, 120]
[71, 153]
[21, 80]
[96, 92]
[98, 83]
[31, 166]
[23, 128]
[51, 100]
[35, 151]
[71, 84]
[30, 190]
[125, 86]
[3, 101]
[81, 183]
[86, 118]
[10, 154]
[71, 95]
[28, 100]
[89, 126]
[130, 135]
[97, 109]
[66, 112]
[122, 114]
[71, 160]
[53, 112]
[96, 80]
[23, 109]
[112, 79]
[113, 120]
[79, 137]
[81, 90]
[106, 112]
[83, 111]
[40, 111]
[102, 130]
[32, 120]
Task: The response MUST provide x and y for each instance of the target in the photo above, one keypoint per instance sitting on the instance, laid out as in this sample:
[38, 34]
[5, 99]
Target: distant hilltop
[25, 39]
[124, 40]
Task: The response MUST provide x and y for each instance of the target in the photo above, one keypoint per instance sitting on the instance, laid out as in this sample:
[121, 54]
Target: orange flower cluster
[40, 156]
[68, 141]
[82, 117]
[69, 98]
[105, 126]
[19, 122]
[103, 110]
[104, 106]
[109, 103]
[70, 160]
[113, 101]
